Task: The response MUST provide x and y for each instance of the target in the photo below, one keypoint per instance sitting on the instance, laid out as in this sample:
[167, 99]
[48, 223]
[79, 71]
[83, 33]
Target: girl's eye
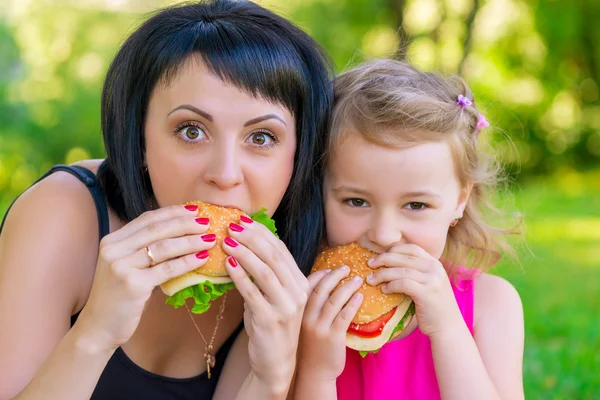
[356, 202]
[263, 139]
[415, 206]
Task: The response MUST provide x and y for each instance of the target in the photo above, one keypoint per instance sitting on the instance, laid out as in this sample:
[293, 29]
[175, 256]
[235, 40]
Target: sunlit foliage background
[534, 66]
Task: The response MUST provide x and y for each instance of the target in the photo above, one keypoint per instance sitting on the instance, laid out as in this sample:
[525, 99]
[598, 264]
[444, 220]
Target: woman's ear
[463, 199]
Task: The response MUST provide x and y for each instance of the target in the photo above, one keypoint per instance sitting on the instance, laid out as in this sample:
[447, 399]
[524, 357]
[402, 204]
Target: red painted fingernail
[233, 262]
[209, 237]
[245, 219]
[191, 207]
[202, 221]
[230, 242]
[202, 255]
[235, 227]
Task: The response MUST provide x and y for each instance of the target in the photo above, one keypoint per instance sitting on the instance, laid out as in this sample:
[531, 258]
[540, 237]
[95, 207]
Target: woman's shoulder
[53, 228]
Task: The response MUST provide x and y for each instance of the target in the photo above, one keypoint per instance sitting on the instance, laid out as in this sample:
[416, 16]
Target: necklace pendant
[210, 362]
[208, 369]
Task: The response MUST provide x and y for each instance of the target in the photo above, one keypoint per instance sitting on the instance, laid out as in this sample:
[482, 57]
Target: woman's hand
[275, 293]
[411, 270]
[326, 319]
[125, 278]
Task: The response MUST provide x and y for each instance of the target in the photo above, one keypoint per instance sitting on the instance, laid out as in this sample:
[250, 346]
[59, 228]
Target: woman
[219, 101]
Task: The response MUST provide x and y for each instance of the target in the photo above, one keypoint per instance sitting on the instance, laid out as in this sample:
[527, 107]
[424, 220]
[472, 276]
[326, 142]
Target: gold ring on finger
[150, 256]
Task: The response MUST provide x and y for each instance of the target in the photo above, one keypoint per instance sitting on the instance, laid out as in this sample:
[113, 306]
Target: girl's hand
[274, 300]
[125, 278]
[326, 320]
[412, 271]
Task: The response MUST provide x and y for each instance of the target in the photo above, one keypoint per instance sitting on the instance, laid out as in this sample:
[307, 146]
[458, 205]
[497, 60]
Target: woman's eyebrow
[263, 118]
[193, 109]
[210, 117]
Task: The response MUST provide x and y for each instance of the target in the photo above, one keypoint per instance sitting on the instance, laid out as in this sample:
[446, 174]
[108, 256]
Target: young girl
[406, 179]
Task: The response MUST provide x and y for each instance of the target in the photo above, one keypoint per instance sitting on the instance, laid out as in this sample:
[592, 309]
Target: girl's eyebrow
[344, 188]
[422, 193]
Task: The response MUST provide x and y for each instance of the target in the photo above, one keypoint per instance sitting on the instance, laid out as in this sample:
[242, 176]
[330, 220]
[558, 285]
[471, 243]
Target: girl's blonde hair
[390, 103]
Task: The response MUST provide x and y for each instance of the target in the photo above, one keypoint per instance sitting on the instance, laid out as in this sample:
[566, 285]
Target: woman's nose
[224, 168]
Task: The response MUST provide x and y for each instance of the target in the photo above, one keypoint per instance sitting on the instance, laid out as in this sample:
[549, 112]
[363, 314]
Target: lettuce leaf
[206, 292]
[202, 293]
[399, 327]
[263, 218]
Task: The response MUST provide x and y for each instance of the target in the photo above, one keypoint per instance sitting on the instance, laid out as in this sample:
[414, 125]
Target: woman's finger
[264, 276]
[390, 274]
[151, 217]
[166, 229]
[173, 268]
[270, 250]
[254, 301]
[336, 302]
[344, 318]
[172, 248]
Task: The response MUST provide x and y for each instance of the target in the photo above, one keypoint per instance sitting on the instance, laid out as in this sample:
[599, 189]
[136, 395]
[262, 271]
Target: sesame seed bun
[375, 303]
[214, 269]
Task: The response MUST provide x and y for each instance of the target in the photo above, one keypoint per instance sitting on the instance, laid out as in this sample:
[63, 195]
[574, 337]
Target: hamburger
[381, 317]
[211, 281]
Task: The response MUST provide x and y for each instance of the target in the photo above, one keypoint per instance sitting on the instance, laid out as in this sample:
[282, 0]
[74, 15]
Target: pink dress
[402, 369]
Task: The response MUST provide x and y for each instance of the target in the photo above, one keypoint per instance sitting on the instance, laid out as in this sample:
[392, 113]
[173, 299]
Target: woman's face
[208, 140]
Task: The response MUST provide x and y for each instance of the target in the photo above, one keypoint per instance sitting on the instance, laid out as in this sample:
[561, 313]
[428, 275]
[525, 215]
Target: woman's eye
[415, 206]
[192, 132]
[356, 202]
[263, 139]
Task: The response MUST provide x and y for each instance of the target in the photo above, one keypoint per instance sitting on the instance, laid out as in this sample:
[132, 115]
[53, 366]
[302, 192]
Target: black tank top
[122, 378]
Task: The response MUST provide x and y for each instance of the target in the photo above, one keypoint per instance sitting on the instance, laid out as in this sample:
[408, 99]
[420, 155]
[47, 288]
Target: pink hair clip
[463, 101]
[481, 123]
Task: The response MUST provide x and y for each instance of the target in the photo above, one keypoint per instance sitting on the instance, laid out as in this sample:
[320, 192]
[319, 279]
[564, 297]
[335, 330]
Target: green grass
[558, 278]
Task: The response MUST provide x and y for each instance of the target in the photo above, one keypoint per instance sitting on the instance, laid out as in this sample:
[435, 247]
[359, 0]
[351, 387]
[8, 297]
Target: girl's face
[380, 197]
[208, 140]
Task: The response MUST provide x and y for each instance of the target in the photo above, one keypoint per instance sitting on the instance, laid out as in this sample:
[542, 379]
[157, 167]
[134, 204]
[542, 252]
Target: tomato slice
[373, 328]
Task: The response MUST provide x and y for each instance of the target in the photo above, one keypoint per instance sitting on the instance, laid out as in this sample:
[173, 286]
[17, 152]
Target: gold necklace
[208, 347]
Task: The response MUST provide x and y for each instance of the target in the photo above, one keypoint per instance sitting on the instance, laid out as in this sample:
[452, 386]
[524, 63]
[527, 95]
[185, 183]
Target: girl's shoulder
[495, 299]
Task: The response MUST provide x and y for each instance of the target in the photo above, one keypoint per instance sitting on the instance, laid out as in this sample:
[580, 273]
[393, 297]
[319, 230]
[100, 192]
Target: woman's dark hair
[244, 45]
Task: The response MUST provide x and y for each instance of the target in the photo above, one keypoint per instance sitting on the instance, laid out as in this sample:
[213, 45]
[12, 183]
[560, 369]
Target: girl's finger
[315, 278]
[393, 260]
[407, 286]
[391, 274]
[344, 318]
[323, 289]
[333, 306]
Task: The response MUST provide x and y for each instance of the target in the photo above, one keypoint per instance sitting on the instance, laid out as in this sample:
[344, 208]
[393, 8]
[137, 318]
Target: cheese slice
[190, 279]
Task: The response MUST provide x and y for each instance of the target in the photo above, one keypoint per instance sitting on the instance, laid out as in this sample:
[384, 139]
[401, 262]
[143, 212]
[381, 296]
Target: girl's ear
[463, 199]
